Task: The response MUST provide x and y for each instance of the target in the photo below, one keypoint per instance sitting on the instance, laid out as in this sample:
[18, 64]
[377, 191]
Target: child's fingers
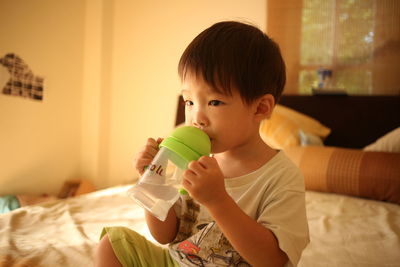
[141, 165]
[149, 151]
[187, 181]
[151, 146]
[146, 153]
[202, 164]
[207, 161]
[144, 159]
[196, 167]
[145, 156]
[152, 142]
[186, 184]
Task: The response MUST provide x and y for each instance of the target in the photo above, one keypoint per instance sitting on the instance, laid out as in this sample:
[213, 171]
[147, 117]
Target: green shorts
[133, 249]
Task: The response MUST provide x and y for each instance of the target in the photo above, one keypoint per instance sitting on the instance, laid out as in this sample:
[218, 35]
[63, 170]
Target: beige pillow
[390, 142]
[283, 128]
[307, 139]
[354, 172]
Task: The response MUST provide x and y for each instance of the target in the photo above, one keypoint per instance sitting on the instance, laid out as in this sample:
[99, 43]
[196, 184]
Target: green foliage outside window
[337, 35]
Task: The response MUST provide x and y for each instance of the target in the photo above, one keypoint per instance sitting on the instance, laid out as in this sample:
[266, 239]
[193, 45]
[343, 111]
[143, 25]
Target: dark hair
[234, 54]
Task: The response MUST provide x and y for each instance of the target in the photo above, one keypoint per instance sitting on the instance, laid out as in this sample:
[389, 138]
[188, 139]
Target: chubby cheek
[215, 148]
[220, 144]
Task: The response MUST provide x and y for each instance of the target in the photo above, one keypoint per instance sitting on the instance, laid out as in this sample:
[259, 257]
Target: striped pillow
[354, 172]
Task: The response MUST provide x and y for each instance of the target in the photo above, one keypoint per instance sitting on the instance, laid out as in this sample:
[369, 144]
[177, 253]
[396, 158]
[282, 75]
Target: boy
[246, 204]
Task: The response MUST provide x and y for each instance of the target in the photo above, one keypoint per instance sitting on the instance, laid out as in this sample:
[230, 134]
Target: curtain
[357, 40]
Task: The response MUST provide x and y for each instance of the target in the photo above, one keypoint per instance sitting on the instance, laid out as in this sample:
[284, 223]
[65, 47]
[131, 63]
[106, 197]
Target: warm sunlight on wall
[110, 70]
[39, 141]
[149, 39]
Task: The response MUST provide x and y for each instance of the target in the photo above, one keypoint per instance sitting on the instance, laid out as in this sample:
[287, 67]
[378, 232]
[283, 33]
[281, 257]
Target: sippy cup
[154, 191]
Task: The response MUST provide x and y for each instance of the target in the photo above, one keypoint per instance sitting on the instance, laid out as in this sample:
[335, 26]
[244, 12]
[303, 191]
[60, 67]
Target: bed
[350, 225]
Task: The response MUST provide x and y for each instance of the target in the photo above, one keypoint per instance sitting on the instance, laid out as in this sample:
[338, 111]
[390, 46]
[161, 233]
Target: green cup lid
[189, 142]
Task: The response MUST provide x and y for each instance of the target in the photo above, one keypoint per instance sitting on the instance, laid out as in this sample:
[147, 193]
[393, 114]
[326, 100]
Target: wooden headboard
[355, 121]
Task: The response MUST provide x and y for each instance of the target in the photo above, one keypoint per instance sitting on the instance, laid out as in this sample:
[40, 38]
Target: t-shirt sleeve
[285, 215]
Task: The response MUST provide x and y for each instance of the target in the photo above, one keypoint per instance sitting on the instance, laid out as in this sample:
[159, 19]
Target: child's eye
[215, 103]
[188, 103]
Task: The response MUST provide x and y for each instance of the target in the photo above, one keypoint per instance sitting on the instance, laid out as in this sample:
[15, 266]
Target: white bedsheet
[345, 231]
[65, 232]
[349, 231]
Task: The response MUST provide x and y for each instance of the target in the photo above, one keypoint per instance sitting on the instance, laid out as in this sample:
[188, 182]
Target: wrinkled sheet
[345, 231]
[65, 232]
[349, 231]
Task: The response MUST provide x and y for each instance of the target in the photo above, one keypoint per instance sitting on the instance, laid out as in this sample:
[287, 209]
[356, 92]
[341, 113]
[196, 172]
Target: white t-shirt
[273, 195]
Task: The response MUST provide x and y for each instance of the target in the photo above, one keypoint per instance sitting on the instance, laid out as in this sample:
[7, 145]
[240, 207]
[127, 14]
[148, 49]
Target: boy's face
[227, 120]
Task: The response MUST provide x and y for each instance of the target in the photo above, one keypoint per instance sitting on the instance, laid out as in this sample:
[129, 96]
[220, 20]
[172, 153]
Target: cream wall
[149, 37]
[40, 141]
[110, 82]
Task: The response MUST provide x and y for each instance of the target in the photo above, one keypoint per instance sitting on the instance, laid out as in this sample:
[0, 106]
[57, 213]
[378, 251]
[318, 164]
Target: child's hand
[204, 181]
[146, 155]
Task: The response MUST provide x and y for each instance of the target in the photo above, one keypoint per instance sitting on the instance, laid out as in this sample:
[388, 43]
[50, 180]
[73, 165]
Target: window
[359, 40]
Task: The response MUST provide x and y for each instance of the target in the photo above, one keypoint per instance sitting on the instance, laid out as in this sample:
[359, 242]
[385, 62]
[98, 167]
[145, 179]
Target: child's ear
[264, 106]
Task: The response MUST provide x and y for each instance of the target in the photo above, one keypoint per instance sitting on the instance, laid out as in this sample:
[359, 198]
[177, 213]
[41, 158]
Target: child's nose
[200, 119]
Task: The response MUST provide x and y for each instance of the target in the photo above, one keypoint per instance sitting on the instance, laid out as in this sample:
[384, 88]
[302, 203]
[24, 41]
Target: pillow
[374, 175]
[390, 142]
[307, 139]
[282, 129]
